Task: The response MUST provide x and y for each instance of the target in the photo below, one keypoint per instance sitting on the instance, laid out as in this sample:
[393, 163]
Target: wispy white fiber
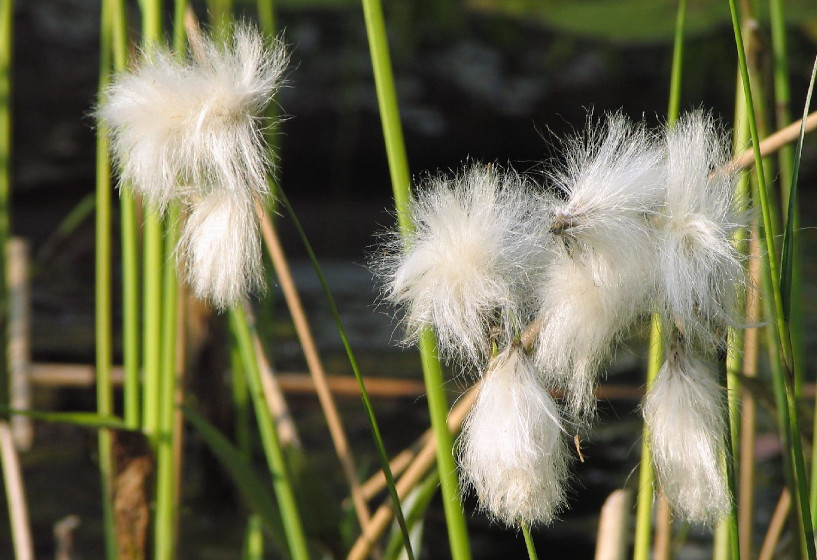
[187, 125]
[701, 271]
[602, 275]
[586, 303]
[684, 411]
[613, 182]
[221, 249]
[512, 449]
[465, 268]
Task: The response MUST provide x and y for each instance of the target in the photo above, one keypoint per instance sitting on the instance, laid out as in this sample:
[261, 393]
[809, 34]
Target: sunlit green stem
[643, 519]
[269, 439]
[432, 371]
[529, 543]
[103, 296]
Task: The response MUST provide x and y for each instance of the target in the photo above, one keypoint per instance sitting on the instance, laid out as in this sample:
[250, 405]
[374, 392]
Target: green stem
[677, 64]
[782, 342]
[643, 516]
[167, 439]
[266, 17]
[401, 185]
[529, 543]
[6, 49]
[269, 439]
[103, 297]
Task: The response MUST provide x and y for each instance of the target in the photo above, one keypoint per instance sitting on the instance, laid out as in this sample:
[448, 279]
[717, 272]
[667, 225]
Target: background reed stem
[432, 371]
[276, 461]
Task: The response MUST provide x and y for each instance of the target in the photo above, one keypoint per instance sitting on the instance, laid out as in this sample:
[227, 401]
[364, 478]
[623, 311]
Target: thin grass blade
[381, 448]
[787, 263]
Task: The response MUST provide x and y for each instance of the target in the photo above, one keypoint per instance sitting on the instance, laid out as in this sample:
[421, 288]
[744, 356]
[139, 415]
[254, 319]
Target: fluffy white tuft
[613, 182]
[512, 450]
[684, 411]
[700, 269]
[179, 126]
[148, 111]
[464, 269]
[586, 303]
[221, 249]
[602, 275]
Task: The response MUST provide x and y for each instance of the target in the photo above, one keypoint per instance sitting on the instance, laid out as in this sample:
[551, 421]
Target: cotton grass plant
[528, 284]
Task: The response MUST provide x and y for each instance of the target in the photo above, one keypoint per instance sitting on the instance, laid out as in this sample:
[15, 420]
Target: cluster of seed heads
[536, 285]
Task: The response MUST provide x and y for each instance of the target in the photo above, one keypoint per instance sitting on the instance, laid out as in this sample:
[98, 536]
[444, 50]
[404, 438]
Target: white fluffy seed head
[701, 272]
[512, 451]
[465, 268]
[586, 302]
[221, 249]
[178, 126]
[237, 82]
[148, 111]
[612, 181]
[684, 412]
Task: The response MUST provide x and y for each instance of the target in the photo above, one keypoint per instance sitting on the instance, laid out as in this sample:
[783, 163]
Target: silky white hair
[602, 275]
[465, 268]
[685, 415]
[700, 269]
[181, 126]
[221, 248]
[586, 303]
[512, 451]
[191, 131]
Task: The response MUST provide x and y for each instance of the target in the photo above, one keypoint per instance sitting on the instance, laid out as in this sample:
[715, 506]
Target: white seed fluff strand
[467, 264]
[512, 449]
[684, 411]
[701, 271]
[221, 248]
[193, 125]
[602, 275]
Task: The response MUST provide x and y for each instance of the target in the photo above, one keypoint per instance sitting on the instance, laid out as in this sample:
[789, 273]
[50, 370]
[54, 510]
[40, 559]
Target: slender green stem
[677, 64]
[643, 519]
[432, 371]
[266, 16]
[6, 48]
[167, 439]
[153, 264]
[254, 539]
[103, 296]
[529, 543]
[269, 439]
[782, 338]
[785, 158]
[130, 257]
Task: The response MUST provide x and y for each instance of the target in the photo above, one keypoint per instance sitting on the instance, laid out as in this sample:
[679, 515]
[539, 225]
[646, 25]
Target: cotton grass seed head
[612, 182]
[684, 411]
[512, 449]
[221, 249]
[465, 268]
[182, 126]
[586, 302]
[701, 271]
